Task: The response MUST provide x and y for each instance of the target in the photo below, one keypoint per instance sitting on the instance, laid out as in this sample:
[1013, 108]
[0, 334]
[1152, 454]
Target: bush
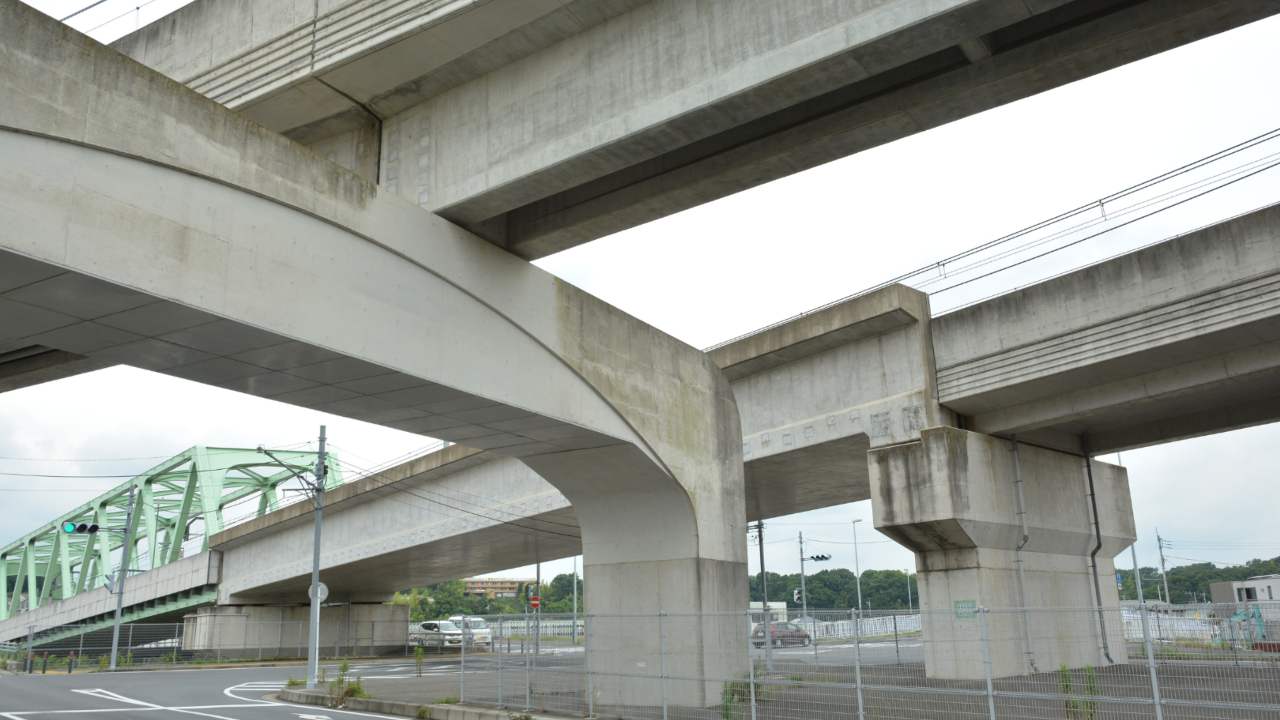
[295, 682]
[424, 712]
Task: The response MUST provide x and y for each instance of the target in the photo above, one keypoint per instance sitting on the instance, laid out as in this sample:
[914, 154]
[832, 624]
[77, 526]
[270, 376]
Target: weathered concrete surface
[544, 124]
[191, 573]
[1175, 340]
[953, 498]
[157, 228]
[456, 518]
[357, 628]
[815, 393]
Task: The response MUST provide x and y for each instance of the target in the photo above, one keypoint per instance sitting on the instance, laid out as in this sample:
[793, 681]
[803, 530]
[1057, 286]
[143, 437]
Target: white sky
[733, 265]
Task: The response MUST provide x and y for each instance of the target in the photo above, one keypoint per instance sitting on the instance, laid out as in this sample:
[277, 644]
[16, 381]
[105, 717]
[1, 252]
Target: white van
[478, 631]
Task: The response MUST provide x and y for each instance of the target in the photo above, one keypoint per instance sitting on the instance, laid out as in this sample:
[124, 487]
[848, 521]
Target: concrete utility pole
[574, 632]
[764, 592]
[908, 589]
[1164, 573]
[317, 597]
[120, 578]
[857, 570]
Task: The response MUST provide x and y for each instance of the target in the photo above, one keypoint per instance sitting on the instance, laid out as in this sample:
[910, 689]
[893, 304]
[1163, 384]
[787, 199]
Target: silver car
[436, 634]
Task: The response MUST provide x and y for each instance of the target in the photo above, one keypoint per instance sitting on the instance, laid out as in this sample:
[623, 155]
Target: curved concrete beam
[120, 178]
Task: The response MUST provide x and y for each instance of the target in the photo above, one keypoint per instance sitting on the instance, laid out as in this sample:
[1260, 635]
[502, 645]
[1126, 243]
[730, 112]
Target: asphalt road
[222, 694]
[241, 693]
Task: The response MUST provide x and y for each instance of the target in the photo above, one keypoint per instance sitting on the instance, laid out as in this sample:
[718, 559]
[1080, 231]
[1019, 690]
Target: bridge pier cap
[245, 261]
[953, 498]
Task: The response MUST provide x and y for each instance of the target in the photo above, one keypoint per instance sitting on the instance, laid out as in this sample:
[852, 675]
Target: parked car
[436, 634]
[782, 634]
[478, 632]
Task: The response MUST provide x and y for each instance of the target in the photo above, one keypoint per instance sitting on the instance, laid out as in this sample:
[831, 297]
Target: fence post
[857, 658]
[586, 652]
[662, 663]
[897, 653]
[1146, 635]
[751, 664]
[524, 650]
[986, 661]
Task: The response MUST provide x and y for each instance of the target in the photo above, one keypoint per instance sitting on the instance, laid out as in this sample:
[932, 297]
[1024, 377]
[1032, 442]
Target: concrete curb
[392, 707]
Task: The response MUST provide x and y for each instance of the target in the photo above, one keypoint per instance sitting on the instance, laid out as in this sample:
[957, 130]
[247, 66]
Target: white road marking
[232, 695]
[102, 694]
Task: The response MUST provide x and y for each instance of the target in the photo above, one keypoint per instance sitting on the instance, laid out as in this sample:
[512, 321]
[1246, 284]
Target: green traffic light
[68, 527]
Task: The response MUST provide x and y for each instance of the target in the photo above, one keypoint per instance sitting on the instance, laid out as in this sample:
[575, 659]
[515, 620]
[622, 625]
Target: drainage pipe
[1017, 558]
[1093, 556]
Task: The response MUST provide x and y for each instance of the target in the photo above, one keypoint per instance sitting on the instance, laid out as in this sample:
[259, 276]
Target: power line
[86, 8]
[941, 264]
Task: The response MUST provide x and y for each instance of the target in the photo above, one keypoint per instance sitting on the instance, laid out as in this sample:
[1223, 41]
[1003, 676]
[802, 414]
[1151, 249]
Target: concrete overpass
[542, 124]
[144, 224]
[831, 402]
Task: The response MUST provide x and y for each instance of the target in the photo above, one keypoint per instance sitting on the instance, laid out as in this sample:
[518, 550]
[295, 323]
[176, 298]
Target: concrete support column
[953, 498]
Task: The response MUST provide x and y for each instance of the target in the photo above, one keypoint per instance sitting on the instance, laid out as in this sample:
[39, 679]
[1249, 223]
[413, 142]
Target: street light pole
[857, 570]
[120, 578]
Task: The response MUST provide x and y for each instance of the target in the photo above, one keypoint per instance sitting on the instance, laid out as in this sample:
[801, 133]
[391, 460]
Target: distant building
[777, 608]
[1263, 588]
[494, 587]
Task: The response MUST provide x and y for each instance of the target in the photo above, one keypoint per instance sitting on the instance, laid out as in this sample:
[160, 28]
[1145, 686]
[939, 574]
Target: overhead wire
[941, 265]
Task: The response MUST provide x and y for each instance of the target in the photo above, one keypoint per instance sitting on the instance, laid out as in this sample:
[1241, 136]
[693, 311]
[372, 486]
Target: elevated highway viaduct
[142, 223]
[848, 403]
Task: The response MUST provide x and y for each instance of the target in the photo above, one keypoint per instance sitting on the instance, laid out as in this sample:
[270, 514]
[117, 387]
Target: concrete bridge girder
[288, 277]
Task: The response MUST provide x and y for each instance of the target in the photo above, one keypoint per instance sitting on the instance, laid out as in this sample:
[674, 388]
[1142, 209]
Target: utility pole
[857, 570]
[317, 597]
[537, 613]
[120, 578]
[804, 599]
[575, 601]
[1164, 573]
[764, 592]
[804, 595]
[908, 589]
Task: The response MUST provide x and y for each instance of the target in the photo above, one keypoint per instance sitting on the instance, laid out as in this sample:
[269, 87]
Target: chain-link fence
[1185, 662]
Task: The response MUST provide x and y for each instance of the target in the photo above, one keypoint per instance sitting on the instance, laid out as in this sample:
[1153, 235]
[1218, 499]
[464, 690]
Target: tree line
[838, 588]
[835, 588]
[442, 600]
[1190, 583]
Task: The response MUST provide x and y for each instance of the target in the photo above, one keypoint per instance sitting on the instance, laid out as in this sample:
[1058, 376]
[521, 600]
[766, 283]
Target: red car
[782, 634]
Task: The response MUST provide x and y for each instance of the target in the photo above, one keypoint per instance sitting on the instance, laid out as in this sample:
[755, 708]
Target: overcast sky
[730, 266]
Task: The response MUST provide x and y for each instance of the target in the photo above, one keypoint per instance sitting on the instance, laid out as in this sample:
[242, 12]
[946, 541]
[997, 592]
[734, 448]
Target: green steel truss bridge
[182, 499]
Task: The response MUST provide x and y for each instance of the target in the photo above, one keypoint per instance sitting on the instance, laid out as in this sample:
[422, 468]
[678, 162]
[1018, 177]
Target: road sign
[535, 602]
[324, 592]
[965, 609]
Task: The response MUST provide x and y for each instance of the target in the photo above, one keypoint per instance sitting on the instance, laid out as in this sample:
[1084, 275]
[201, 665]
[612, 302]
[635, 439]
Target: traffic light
[819, 558]
[71, 528]
[795, 595]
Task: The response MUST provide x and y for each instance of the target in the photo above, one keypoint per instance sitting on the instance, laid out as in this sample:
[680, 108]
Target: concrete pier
[974, 510]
